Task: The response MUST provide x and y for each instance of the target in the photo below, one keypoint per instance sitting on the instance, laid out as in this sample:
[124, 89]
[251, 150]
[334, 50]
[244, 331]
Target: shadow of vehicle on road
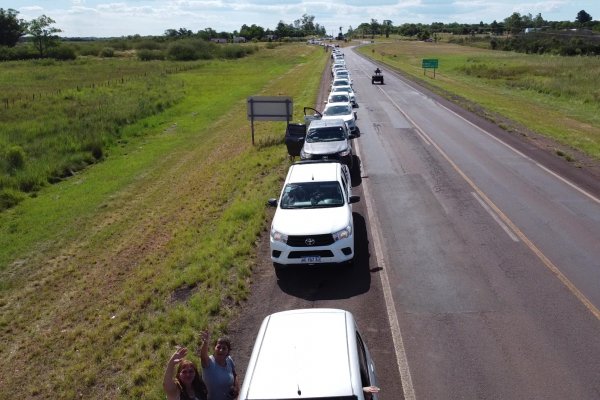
[355, 171]
[327, 282]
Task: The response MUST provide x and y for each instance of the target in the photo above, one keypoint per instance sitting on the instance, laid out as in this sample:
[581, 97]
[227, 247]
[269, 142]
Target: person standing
[218, 369]
[186, 383]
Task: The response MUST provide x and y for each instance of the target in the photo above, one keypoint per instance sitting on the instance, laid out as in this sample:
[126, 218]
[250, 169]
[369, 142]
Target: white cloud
[153, 17]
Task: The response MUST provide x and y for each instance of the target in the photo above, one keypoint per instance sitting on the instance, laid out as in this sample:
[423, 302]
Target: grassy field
[103, 273]
[58, 117]
[558, 97]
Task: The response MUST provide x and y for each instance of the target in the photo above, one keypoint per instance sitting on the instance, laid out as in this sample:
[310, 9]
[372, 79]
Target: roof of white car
[313, 172]
[303, 354]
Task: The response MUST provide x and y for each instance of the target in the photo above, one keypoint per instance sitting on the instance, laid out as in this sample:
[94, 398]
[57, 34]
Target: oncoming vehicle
[287, 358]
[313, 222]
[343, 111]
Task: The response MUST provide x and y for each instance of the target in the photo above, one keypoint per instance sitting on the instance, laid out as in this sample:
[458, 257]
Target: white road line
[403, 368]
[513, 227]
[423, 134]
[496, 218]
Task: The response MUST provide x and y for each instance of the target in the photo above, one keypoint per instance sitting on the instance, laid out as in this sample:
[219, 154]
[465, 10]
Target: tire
[279, 270]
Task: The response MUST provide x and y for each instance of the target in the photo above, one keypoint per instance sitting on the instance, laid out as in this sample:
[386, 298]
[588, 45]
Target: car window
[328, 134]
[312, 195]
[340, 82]
[345, 185]
[338, 98]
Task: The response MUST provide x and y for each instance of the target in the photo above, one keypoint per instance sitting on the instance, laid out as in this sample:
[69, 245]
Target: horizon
[97, 19]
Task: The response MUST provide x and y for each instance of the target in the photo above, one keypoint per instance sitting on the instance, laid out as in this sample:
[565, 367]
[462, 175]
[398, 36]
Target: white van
[315, 354]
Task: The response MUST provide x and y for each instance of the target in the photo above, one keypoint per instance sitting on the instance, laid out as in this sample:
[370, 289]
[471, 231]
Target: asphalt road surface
[478, 269]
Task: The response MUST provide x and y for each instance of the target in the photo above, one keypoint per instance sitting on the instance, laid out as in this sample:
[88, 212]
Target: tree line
[43, 35]
[514, 24]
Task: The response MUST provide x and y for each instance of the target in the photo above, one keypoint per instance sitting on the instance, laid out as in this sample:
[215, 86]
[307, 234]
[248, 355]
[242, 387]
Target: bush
[17, 53]
[15, 158]
[62, 53]
[148, 55]
[107, 52]
[148, 45]
[10, 198]
[233, 51]
[182, 51]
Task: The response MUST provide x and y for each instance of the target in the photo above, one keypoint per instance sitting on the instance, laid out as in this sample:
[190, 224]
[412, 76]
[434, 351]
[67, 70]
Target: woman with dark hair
[186, 383]
[218, 370]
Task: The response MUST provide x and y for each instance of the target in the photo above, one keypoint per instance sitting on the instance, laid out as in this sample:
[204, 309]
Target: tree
[514, 23]
[583, 17]
[308, 24]
[374, 27]
[538, 21]
[387, 27]
[44, 35]
[11, 28]
[283, 30]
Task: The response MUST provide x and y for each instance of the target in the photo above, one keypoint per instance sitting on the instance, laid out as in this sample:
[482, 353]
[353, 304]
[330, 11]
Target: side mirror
[354, 199]
[272, 202]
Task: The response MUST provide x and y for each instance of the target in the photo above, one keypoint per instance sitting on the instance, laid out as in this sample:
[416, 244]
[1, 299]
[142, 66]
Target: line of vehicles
[313, 221]
[315, 353]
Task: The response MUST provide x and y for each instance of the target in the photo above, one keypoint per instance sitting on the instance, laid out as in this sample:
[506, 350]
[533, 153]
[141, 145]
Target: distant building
[218, 40]
[239, 39]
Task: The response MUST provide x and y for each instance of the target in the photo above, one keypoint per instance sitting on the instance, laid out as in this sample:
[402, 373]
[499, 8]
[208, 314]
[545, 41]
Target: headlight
[343, 234]
[344, 153]
[278, 236]
[304, 155]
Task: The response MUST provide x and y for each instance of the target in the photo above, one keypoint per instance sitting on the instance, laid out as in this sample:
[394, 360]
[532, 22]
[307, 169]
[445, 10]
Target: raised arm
[169, 385]
[204, 357]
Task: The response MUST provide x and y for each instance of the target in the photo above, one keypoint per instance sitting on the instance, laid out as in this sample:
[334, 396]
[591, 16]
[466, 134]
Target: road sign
[269, 108]
[430, 63]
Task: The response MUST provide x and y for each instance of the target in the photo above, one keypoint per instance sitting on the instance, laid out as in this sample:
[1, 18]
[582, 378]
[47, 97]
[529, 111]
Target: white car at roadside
[344, 111]
[287, 358]
[345, 89]
[313, 222]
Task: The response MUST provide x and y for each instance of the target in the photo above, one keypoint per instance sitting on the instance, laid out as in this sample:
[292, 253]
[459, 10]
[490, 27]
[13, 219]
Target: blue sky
[104, 18]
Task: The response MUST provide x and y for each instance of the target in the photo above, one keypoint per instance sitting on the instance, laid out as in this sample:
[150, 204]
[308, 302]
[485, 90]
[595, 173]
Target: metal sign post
[269, 108]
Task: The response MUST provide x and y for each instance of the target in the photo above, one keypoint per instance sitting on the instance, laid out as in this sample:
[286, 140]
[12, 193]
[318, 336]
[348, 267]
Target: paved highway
[489, 262]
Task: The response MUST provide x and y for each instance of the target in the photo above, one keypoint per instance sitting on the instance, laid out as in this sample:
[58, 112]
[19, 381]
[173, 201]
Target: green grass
[103, 273]
[558, 97]
[65, 116]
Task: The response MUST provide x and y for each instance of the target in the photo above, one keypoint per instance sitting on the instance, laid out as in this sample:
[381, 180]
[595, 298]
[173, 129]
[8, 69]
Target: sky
[106, 18]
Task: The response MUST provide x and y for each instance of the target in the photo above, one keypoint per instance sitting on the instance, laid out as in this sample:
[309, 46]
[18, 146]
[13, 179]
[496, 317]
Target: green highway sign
[430, 63]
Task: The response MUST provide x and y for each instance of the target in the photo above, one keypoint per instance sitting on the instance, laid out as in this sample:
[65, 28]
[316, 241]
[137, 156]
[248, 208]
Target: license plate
[311, 259]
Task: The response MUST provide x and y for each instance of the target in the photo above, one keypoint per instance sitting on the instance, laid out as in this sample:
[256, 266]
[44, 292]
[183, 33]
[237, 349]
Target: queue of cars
[313, 222]
[313, 225]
